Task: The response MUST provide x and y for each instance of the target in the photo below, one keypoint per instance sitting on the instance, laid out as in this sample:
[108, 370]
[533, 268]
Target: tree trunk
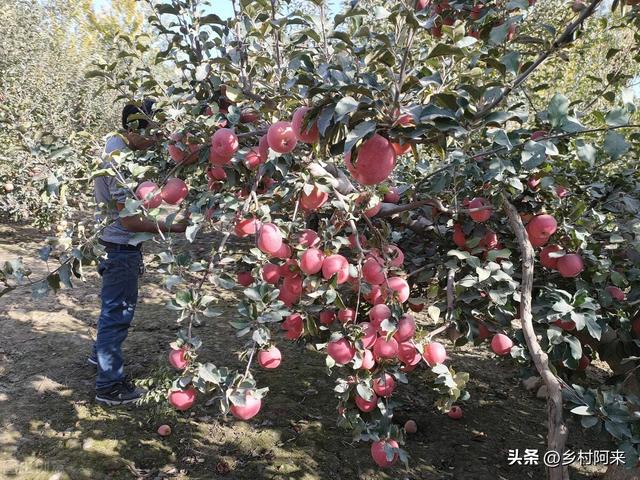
[558, 431]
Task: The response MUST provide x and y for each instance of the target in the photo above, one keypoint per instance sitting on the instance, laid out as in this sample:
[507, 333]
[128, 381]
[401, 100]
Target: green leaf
[617, 430]
[434, 312]
[202, 72]
[617, 117]
[483, 274]
[140, 237]
[357, 133]
[344, 107]
[65, 275]
[615, 145]
[94, 74]
[498, 34]
[511, 61]
[380, 13]
[209, 373]
[44, 252]
[253, 294]
[365, 391]
[192, 231]
[588, 422]
[211, 18]
[558, 110]
[172, 281]
[40, 289]
[224, 280]
[445, 50]
[261, 336]
[586, 152]
[533, 155]
[183, 298]
[562, 307]
[582, 410]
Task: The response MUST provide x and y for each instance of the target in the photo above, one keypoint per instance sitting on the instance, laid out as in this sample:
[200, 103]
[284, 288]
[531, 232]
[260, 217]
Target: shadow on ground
[50, 428]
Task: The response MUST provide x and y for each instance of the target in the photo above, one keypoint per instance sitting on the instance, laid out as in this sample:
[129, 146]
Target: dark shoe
[92, 360]
[120, 394]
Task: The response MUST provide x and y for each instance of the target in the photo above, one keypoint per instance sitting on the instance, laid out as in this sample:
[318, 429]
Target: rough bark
[557, 430]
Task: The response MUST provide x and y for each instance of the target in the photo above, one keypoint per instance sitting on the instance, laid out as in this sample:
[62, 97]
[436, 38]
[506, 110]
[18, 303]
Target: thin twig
[561, 41]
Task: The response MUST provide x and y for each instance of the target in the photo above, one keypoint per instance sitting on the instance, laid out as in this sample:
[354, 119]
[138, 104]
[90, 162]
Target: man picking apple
[123, 264]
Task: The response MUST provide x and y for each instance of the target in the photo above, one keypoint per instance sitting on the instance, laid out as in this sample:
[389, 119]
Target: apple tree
[387, 158]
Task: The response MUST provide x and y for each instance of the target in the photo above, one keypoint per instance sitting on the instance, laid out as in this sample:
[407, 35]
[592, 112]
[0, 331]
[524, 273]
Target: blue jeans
[119, 295]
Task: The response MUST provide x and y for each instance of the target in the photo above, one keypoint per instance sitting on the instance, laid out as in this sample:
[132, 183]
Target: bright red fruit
[183, 399]
[408, 354]
[370, 334]
[177, 359]
[281, 137]
[150, 194]
[271, 273]
[396, 257]
[311, 261]
[393, 196]
[245, 279]
[327, 317]
[335, 264]
[269, 238]
[546, 260]
[542, 226]
[341, 351]
[216, 174]
[616, 293]
[293, 326]
[480, 215]
[314, 200]
[583, 363]
[379, 313]
[253, 159]
[372, 270]
[384, 385]
[571, 265]
[455, 412]
[224, 143]
[246, 227]
[174, 191]
[270, 358]
[347, 315]
[380, 456]
[308, 238]
[458, 236]
[501, 344]
[400, 286]
[406, 328]
[297, 122]
[385, 348]
[366, 405]
[250, 408]
[375, 161]
[434, 353]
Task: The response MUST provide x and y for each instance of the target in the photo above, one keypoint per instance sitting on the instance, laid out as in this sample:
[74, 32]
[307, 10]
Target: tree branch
[557, 429]
[562, 40]
[389, 209]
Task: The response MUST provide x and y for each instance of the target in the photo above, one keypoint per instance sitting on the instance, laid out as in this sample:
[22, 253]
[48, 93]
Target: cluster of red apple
[300, 264]
[172, 192]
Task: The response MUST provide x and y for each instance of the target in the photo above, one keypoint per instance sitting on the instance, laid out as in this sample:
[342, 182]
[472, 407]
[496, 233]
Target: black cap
[132, 109]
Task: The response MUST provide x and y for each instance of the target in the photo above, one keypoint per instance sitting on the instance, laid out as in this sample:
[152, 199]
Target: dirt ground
[50, 427]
